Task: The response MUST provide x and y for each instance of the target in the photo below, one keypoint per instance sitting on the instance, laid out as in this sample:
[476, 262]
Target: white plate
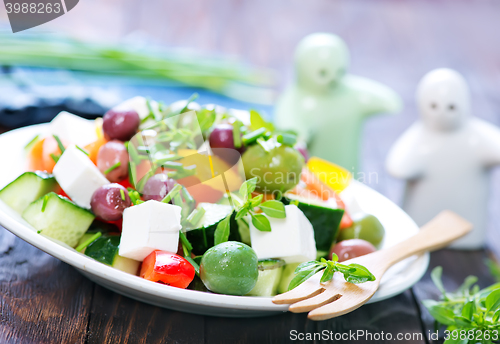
[398, 225]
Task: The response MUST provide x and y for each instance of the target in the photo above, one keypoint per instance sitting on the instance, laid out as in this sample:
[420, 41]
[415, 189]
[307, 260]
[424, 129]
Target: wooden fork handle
[438, 233]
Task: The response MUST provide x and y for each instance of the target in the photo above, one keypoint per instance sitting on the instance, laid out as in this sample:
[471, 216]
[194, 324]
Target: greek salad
[190, 196]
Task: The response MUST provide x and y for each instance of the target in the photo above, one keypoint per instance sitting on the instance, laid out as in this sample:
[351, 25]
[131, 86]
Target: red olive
[351, 248]
[109, 155]
[109, 201]
[120, 125]
[157, 187]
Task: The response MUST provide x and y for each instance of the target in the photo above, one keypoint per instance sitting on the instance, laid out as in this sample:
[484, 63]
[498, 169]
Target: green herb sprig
[246, 206]
[353, 273]
[470, 315]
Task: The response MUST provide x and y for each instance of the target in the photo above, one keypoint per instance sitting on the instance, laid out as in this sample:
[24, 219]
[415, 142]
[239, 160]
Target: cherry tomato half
[168, 268]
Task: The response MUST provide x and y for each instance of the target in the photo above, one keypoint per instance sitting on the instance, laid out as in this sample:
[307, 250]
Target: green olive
[366, 227]
[277, 169]
[229, 268]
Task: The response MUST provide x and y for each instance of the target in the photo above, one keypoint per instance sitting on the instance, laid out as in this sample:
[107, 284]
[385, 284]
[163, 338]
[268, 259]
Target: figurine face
[321, 61]
[443, 100]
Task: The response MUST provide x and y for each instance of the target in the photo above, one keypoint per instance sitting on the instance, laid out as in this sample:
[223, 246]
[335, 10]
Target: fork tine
[307, 289]
[325, 297]
[347, 303]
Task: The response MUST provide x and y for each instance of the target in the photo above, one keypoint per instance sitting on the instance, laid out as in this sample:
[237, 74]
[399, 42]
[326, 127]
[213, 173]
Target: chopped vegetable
[167, 268]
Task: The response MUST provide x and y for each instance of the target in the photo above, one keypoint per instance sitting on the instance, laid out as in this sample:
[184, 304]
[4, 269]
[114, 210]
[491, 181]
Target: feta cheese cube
[150, 226]
[74, 129]
[78, 176]
[290, 239]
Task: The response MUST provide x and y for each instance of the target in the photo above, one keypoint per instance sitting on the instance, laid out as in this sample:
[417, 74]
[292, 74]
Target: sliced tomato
[315, 185]
[51, 150]
[35, 161]
[167, 268]
[93, 149]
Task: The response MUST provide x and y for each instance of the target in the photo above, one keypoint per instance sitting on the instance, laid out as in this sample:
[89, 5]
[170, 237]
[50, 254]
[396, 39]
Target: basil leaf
[462, 321]
[222, 231]
[248, 187]
[256, 201]
[436, 274]
[306, 266]
[441, 313]
[492, 301]
[274, 209]
[327, 274]
[335, 258]
[465, 287]
[496, 316]
[468, 310]
[241, 213]
[261, 222]
[302, 277]
[359, 275]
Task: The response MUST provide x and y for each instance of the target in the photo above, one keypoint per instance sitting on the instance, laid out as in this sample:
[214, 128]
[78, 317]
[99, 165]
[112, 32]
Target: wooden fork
[337, 297]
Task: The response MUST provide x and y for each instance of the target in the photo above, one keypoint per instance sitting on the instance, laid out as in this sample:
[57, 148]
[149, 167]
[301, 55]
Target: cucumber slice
[202, 238]
[27, 188]
[270, 264]
[325, 221]
[95, 227]
[103, 227]
[287, 275]
[105, 250]
[244, 230]
[270, 271]
[57, 217]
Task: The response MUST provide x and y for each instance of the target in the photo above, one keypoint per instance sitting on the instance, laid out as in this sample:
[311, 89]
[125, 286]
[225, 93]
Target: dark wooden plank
[381, 322]
[457, 265]
[42, 300]
[118, 319]
[268, 329]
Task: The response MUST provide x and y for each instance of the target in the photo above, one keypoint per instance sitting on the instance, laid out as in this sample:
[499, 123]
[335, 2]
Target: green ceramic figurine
[325, 105]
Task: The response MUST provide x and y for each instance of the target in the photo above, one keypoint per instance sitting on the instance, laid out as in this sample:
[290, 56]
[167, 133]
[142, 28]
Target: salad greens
[470, 315]
[353, 273]
[215, 218]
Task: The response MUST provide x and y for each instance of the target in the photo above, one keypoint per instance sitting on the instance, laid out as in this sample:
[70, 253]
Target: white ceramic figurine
[327, 106]
[446, 155]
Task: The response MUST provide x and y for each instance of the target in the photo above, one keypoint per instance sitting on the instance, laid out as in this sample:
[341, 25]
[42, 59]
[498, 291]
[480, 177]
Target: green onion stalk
[216, 74]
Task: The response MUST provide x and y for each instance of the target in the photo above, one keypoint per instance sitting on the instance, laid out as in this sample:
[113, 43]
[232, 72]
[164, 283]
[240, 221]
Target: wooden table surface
[43, 300]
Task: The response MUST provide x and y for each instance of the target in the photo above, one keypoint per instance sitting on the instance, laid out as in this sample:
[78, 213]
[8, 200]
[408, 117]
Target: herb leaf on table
[469, 314]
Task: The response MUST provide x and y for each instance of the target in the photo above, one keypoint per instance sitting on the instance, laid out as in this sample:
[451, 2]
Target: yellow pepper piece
[98, 127]
[336, 177]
